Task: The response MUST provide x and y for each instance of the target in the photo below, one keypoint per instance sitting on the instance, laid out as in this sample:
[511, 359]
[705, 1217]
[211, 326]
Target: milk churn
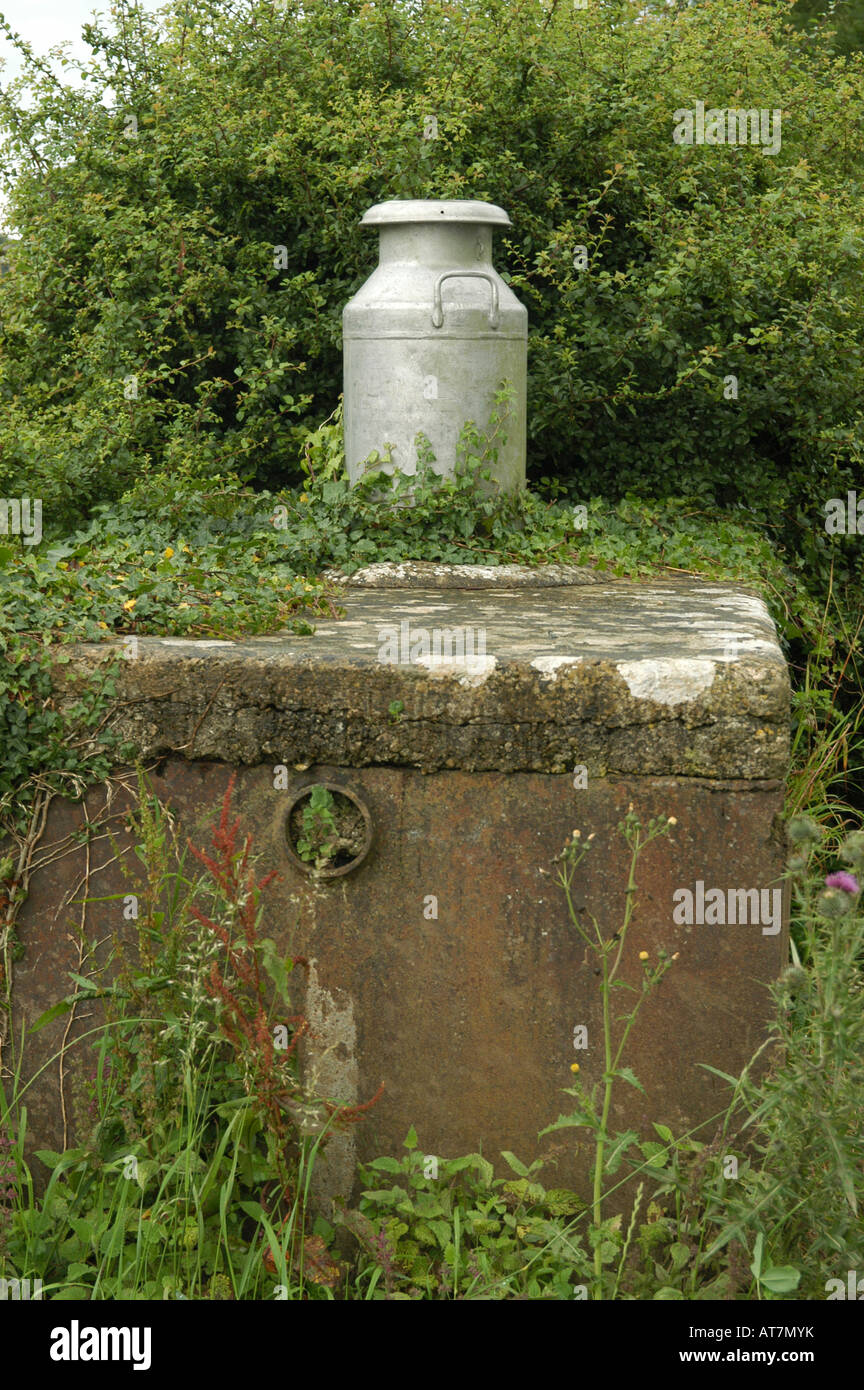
[431, 337]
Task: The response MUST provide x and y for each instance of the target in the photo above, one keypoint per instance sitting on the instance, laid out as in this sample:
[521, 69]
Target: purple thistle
[848, 882]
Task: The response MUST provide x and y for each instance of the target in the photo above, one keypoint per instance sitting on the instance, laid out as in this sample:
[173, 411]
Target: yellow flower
[182, 605]
[62, 565]
[186, 550]
[104, 625]
[167, 552]
[574, 1067]
[149, 552]
[643, 955]
[304, 497]
[672, 821]
[130, 604]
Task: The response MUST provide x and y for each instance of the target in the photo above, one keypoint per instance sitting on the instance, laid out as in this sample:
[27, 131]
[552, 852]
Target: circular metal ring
[336, 790]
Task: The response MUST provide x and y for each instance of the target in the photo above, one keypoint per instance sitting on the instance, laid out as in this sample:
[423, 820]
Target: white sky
[44, 23]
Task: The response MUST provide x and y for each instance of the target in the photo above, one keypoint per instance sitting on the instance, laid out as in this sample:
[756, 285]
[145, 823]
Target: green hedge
[151, 254]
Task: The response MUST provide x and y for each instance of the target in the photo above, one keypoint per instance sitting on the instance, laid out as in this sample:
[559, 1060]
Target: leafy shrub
[455, 1231]
[174, 299]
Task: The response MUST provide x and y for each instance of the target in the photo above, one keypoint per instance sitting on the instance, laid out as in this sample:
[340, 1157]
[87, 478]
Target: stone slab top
[670, 677]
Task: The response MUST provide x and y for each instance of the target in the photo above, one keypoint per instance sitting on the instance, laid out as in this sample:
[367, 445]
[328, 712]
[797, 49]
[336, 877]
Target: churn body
[431, 337]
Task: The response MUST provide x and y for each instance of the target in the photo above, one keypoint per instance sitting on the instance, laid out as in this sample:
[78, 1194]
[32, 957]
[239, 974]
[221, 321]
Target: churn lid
[434, 210]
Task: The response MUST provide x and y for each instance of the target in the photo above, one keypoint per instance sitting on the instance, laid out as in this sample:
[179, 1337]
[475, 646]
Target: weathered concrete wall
[673, 696]
[684, 679]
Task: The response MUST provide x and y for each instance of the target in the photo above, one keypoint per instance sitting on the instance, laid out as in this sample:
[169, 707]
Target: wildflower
[676, 955]
[673, 820]
[183, 605]
[130, 604]
[168, 552]
[848, 882]
[187, 550]
[643, 955]
[102, 625]
[574, 1067]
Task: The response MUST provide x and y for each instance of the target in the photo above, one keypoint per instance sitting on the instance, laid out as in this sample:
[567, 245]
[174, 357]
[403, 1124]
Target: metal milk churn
[430, 338]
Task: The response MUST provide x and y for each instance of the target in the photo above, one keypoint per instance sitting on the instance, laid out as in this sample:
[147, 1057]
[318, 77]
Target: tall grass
[192, 1179]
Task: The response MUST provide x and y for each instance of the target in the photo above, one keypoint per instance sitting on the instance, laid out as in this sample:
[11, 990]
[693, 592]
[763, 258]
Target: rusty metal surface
[466, 1019]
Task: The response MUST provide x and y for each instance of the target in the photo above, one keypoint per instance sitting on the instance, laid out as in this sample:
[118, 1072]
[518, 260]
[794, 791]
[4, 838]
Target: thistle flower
[848, 882]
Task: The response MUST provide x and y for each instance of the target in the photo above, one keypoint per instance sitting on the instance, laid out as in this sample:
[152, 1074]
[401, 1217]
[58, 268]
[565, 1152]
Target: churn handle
[438, 307]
